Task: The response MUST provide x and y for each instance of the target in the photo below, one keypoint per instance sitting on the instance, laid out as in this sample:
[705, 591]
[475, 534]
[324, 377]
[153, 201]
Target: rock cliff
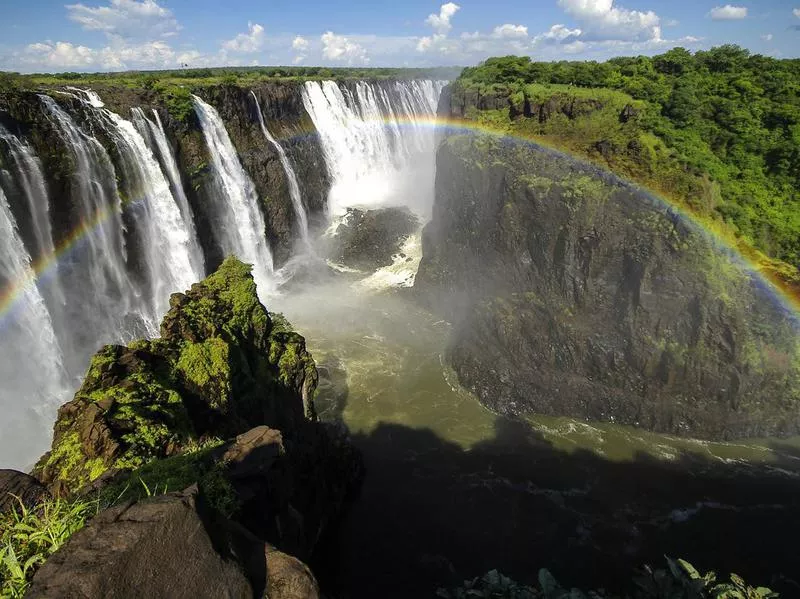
[579, 295]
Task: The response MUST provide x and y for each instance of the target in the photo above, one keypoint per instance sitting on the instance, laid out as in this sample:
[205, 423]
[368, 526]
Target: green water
[390, 353]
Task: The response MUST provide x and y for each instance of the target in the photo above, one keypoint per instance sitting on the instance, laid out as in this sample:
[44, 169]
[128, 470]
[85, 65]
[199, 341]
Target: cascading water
[102, 303]
[241, 228]
[291, 178]
[153, 130]
[31, 364]
[164, 240]
[378, 142]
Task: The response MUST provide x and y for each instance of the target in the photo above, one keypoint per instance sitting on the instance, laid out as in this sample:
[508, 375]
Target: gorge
[557, 350]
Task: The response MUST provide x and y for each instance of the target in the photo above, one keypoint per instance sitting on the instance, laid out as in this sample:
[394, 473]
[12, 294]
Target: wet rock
[368, 239]
[16, 487]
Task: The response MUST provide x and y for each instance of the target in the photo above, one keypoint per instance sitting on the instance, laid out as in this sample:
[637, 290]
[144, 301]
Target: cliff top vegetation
[718, 130]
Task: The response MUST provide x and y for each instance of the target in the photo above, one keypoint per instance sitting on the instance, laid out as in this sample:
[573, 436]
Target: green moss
[206, 367]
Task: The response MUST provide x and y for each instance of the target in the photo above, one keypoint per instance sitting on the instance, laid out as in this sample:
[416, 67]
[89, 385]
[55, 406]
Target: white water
[154, 131]
[103, 305]
[291, 179]
[240, 226]
[31, 364]
[165, 243]
[379, 142]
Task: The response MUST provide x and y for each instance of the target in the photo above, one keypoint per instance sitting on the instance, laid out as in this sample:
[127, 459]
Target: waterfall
[103, 305]
[31, 368]
[241, 228]
[291, 178]
[154, 131]
[378, 141]
[28, 174]
[164, 240]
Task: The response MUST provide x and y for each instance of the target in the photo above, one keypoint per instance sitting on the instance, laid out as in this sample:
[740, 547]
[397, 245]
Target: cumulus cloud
[126, 19]
[767, 37]
[796, 12]
[246, 43]
[509, 31]
[603, 20]
[441, 22]
[300, 45]
[728, 13]
[64, 55]
[341, 49]
[558, 33]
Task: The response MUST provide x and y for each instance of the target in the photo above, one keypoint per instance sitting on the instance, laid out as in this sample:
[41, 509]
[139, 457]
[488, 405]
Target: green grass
[29, 536]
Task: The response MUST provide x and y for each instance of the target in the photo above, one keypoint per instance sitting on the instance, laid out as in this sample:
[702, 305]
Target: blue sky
[101, 35]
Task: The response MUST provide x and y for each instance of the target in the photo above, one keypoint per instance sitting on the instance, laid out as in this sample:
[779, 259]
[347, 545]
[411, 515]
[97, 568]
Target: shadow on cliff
[431, 514]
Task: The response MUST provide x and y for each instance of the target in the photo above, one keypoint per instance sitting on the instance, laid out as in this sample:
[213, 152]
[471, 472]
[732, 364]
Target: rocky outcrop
[368, 240]
[18, 488]
[580, 295]
[221, 366]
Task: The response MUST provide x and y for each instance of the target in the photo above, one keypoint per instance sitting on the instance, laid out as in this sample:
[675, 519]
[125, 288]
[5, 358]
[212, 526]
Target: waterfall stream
[31, 363]
[241, 223]
[291, 178]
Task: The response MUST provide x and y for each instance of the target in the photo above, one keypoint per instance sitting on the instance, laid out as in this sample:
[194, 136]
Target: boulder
[369, 239]
[16, 487]
[288, 577]
[167, 546]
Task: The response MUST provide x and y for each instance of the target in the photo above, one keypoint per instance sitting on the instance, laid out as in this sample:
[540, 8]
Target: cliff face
[286, 118]
[579, 295]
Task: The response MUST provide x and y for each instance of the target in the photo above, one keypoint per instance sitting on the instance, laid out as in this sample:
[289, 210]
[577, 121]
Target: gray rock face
[16, 487]
[163, 547]
[367, 240]
[579, 295]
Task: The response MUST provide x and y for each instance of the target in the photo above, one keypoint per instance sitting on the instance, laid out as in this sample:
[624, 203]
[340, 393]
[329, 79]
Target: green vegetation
[680, 581]
[29, 536]
[241, 76]
[718, 131]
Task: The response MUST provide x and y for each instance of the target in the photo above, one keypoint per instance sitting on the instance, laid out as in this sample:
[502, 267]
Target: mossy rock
[220, 368]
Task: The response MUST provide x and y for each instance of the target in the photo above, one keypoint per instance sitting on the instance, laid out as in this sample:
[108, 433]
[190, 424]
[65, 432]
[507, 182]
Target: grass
[29, 536]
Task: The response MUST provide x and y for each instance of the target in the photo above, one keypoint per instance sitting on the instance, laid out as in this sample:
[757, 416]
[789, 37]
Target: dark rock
[16, 487]
[580, 295]
[289, 578]
[628, 113]
[168, 546]
[367, 240]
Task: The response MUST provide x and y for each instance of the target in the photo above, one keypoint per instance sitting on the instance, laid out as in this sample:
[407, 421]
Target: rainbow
[788, 297]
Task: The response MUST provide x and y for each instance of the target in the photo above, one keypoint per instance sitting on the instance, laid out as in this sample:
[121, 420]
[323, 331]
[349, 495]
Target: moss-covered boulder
[222, 365]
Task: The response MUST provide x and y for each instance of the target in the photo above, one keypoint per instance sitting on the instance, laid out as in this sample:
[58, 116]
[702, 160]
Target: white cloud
[767, 37]
[441, 22]
[246, 43]
[796, 12]
[64, 55]
[510, 31]
[728, 13]
[126, 19]
[341, 49]
[602, 20]
[558, 33]
[300, 44]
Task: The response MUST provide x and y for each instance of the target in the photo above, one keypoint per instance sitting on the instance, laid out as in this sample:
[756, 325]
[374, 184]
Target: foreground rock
[578, 295]
[168, 546]
[368, 240]
[222, 401]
